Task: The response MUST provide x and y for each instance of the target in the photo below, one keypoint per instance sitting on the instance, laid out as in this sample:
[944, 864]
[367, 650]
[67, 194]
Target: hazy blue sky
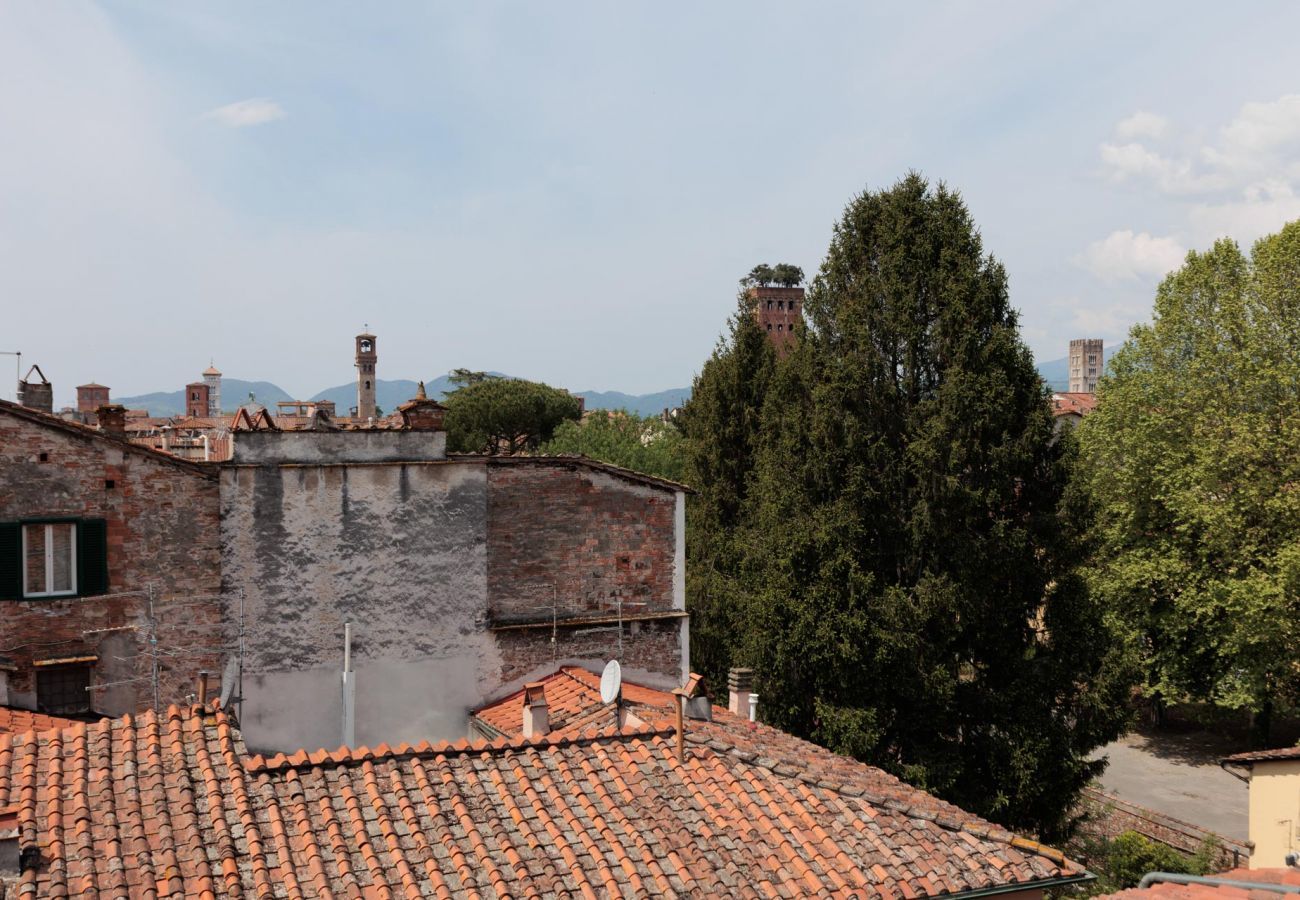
[569, 191]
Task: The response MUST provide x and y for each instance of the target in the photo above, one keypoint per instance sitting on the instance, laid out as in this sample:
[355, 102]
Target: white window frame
[49, 559]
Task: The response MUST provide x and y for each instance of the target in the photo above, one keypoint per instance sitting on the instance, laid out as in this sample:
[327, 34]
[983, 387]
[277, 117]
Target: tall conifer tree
[909, 590]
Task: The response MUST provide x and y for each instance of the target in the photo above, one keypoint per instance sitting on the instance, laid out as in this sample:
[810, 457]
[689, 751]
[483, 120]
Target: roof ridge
[949, 822]
[345, 756]
[77, 429]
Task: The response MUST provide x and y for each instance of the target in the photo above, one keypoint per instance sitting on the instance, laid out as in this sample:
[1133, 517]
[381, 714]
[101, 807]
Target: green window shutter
[11, 561]
[92, 557]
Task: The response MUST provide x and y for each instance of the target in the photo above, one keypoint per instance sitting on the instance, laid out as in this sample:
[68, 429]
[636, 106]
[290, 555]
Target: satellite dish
[611, 682]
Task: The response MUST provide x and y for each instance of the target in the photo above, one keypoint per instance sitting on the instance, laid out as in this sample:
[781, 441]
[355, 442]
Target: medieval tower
[778, 310]
[1085, 365]
[366, 357]
[212, 378]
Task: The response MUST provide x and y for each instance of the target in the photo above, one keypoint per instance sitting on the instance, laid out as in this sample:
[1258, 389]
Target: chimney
[739, 684]
[38, 395]
[537, 720]
[112, 419]
[203, 688]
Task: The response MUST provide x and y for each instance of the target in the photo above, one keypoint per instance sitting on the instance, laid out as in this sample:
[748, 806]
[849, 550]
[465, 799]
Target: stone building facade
[94, 533]
[461, 577]
[1086, 361]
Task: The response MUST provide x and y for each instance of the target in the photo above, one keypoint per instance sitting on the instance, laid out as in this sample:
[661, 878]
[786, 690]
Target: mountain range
[390, 394]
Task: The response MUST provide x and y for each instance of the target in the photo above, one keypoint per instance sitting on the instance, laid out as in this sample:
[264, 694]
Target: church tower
[366, 357]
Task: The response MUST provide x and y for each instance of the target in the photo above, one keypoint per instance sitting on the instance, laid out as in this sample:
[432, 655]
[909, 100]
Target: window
[769, 326]
[53, 558]
[62, 690]
[780, 304]
[50, 560]
[779, 327]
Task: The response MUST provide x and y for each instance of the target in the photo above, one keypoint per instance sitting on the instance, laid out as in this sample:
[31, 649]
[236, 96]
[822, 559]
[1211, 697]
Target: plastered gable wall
[1274, 812]
[163, 532]
[397, 549]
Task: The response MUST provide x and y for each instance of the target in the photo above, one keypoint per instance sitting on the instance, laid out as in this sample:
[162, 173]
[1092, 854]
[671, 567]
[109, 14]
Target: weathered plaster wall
[163, 534]
[399, 550]
[331, 447]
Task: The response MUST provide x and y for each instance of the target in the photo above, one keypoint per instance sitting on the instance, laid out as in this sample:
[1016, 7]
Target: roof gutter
[1177, 878]
[1228, 767]
[1025, 886]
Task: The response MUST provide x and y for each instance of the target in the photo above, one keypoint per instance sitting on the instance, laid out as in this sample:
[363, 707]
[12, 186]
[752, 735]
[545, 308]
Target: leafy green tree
[505, 415]
[786, 275]
[720, 425]
[1193, 457]
[759, 276]
[910, 580]
[625, 439]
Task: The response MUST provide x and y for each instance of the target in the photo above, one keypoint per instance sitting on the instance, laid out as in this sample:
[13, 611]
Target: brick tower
[366, 357]
[197, 399]
[778, 310]
[1085, 365]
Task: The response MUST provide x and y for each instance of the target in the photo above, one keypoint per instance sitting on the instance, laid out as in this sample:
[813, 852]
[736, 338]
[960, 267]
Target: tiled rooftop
[1251, 756]
[17, 720]
[1166, 890]
[1066, 403]
[171, 806]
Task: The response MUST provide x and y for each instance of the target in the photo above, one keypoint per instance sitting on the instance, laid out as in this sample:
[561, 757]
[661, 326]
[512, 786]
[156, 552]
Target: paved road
[1179, 776]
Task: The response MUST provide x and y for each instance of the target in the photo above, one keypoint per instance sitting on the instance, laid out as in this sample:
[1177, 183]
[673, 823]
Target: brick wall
[654, 647]
[1106, 817]
[163, 532]
[579, 538]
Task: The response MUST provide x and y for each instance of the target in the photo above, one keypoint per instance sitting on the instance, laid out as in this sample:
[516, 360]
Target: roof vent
[537, 719]
[740, 682]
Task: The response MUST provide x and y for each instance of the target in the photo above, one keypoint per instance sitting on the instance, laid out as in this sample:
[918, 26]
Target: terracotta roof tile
[13, 720]
[171, 805]
[1251, 756]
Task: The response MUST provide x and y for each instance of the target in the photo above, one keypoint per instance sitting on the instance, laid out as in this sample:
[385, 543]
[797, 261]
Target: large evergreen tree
[909, 590]
[1193, 456]
[719, 427]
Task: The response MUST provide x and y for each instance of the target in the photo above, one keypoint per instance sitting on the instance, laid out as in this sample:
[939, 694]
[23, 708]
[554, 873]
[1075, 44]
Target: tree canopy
[781, 275]
[1193, 457]
[505, 415]
[903, 569]
[625, 439]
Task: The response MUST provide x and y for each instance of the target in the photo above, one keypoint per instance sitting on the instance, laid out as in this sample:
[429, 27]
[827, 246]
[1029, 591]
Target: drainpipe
[349, 690]
[1176, 878]
[207, 450]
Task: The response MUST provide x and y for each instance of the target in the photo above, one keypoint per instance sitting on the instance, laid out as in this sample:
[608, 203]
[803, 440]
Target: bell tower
[366, 357]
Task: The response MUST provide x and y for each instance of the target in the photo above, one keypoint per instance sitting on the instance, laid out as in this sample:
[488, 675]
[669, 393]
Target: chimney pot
[203, 688]
[112, 419]
[537, 721]
[740, 683]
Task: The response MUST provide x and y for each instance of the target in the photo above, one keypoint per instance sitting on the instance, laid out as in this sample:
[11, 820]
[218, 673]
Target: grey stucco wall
[399, 550]
[387, 445]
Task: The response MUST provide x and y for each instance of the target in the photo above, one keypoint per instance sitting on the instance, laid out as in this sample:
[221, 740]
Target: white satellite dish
[611, 682]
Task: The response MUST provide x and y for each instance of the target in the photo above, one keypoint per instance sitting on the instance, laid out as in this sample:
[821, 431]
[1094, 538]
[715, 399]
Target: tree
[786, 275]
[910, 581]
[624, 439]
[464, 377]
[782, 275]
[720, 426]
[1193, 457]
[505, 415]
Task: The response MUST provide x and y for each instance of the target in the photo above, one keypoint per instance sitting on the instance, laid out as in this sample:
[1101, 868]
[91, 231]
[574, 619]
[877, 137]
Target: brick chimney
[37, 395]
[739, 684]
[537, 719]
[112, 419]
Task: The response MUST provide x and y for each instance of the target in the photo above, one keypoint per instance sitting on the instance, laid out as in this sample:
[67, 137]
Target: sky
[569, 191]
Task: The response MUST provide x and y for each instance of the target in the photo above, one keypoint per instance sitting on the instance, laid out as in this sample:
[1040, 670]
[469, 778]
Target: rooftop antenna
[18, 368]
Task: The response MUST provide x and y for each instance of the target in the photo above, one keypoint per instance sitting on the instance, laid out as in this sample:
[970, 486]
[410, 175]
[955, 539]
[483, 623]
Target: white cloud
[1142, 125]
[246, 113]
[1126, 255]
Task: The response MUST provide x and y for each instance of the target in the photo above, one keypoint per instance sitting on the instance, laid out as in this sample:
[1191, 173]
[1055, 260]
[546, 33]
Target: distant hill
[1056, 372]
[234, 393]
[641, 404]
[391, 394]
